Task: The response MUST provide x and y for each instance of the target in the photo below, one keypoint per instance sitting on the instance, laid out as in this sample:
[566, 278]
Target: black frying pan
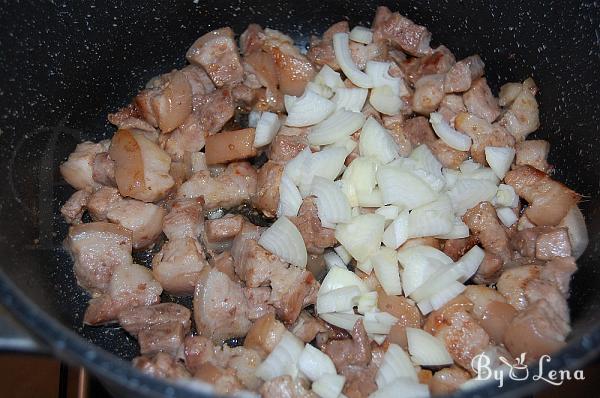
[65, 65]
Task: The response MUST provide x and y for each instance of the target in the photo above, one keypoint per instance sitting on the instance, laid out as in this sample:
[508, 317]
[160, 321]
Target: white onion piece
[389, 212]
[338, 300]
[330, 78]
[451, 137]
[350, 99]
[338, 277]
[332, 205]
[507, 216]
[384, 100]
[283, 359]
[375, 142]
[441, 298]
[499, 159]
[327, 163]
[419, 264]
[459, 230]
[469, 166]
[409, 388]
[361, 173]
[396, 233]
[283, 239]
[344, 59]
[362, 235]
[437, 282]
[367, 302]
[314, 363]
[470, 262]
[483, 173]
[385, 265]
[379, 74]
[435, 218]
[360, 34]
[320, 89]
[425, 306]
[341, 320]
[343, 253]
[296, 167]
[266, 128]
[365, 266]
[467, 193]
[425, 349]
[379, 322]
[450, 176]
[253, 118]
[290, 199]
[348, 189]
[347, 143]
[309, 109]
[396, 364]
[378, 338]
[329, 386]
[288, 102]
[339, 125]
[506, 196]
[578, 233]
[333, 260]
[370, 199]
[403, 188]
[426, 161]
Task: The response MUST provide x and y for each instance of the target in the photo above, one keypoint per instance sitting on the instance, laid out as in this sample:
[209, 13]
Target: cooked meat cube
[267, 192]
[198, 350]
[490, 268]
[480, 101]
[131, 285]
[199, 80]
[558, 271]
[143, 105]
[214, 110]
[491, 310]
[258, 301]
[144, 220]
[429, 92]
[103, 171]
[307, 327]
[355, 351]
[394, 126]
[549, 200]
[316, 237]
[361, 54]
[251, 39]
[223, 380]
[483, 134]
[451, 106]
[321, 51]
[543, 243]
[220, 308]
[130, 117]
[141, 167]
[537, 330]
[439, 61]
[101, 201]
[217, 53]
[360, 380]
[172, 101]
[224, 263]
[189, 137]
[161, 365]
[456, 248]
[230, 146]
[533, 153]
[78, 170]
[244, 362]
[286, 147]
[75, 206]
[234, 186]
[165, 337]
[405, 310]
[448, 156]
[178, 265]
[448, 380]
[460, 76]
[224, 228]
[255, 265]
[418, 130]
[184, 220]
[264, 334]
[522, 117]
[285, 387]
[134, 320]
[401, 32]
[292, 289]
[98, 249]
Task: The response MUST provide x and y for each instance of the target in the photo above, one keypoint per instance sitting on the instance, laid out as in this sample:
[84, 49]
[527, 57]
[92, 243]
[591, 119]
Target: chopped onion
[330, 78]
[450, 176]
[459, 230]
[396, 233]
[378, 338]
[409, 388]
[314, 363]
[341, 320]
[441, 298]
[499, 159]
[389, 212]
[435, 218]
[253, 118]
[367, 302]
[425, 306]
[290, 199]
[283, 239]
[378, 72]
[365, 266]
[309, 109]
[385, 265]
[507, 216]
[347, 143]
[320, 89]
[578, 233]
[467, 193]
[437, 282]
[296, 167]
[362, 235]
[339, 125]
[361, 173]
[338, 277]
[343, 253]
[403, 188]
[344, 59]
[348, 189]
[379, 322]
[333, 260]
[283, 359]
[470, 262]
[483, 173]
[425, 349]
[266, 128]
[375, 142]
[396, 364]
[360, 34]
[288, 102]
[327, 163]
[469, 166]
[338, 300]
[425, 160]
[506, 196]
[332, 205]
[370, 199]
[329, 386]
[451, 137]
[419, 264]
[384, 100]
[350, 99]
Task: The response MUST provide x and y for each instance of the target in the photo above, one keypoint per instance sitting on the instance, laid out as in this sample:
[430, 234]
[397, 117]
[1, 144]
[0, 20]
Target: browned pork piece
[185, 219]
[438, 62]
[429, 92]
[101, 201]
[480, 101]
[161, 365]
[316, 237]
[401, 32]
[559, 271]
[217, 53]
[451, 106]
[214, 110]
[178, 265]
[285, 147]
[459, 77]
[321, 51]
[549, 200]
[285, 386]
[483, 134]
[144, 220]
[104, 170]
[188, 137]
[258, 300]
[224, 228]
[522, 116]
[543, 243]
[292, 289]
[491, 310]
[264, 335]
[405, 310]
[307, 327]
[229, 146]
[131, 285]
[253, 264]
[98, 249]
[234, 186]
[141, 167]
[533, 153]
[75, 206]
[354, 351]
[448, 380]
[361, 53]
[78, 170]
[171, 100]
[223, 380]
[267, 192]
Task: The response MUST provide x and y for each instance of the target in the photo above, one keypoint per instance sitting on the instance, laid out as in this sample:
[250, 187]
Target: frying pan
[65, 65]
